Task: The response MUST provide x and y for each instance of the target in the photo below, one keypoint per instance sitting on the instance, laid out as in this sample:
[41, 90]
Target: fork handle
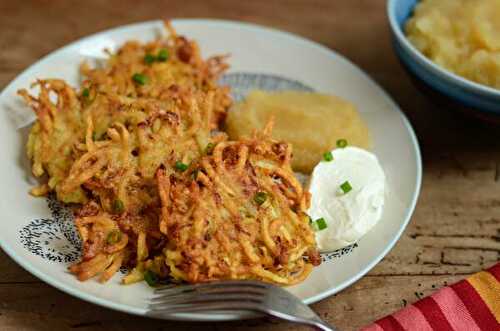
[317, 324]
[323, 326]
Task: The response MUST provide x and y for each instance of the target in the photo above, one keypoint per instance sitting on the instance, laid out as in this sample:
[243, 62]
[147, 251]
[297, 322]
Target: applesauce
[311, 122]
[462, 36]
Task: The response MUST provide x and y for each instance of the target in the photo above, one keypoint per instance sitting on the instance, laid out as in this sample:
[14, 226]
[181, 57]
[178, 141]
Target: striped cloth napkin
[472, 304]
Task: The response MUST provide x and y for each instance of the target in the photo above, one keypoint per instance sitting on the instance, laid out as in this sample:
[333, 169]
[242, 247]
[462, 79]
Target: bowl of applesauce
[451, 49]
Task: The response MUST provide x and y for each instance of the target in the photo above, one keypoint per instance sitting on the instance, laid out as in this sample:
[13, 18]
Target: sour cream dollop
[350, 215]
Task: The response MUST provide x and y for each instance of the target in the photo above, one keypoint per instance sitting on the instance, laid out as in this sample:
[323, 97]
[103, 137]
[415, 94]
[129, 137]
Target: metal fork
[234, 296]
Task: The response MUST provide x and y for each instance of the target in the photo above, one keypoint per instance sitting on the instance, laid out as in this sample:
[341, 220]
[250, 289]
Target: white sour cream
[349, 215]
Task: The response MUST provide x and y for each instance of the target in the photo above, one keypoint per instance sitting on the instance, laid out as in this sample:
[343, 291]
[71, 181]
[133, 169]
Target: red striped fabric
[433, 314]
[410, 317]
[454, 310]
[389, 323]
[469, 305]
[495, 271]
[373, 327]
[476, 307]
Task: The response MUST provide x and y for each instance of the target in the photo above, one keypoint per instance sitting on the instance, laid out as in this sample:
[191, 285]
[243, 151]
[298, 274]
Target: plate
[38, 233]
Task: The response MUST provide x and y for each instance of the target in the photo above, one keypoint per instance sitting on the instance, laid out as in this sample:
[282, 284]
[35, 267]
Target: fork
[234, 296]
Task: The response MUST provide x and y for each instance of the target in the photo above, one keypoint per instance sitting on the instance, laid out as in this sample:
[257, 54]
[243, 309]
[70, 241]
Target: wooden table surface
[454, 232]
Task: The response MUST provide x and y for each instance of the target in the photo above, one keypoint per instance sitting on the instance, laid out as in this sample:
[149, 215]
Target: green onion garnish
[328, 156]
[118, 206]
[209, 149]
[181, 166]
[162, 55]
[140, 79]
[151, 278]
[346, 187]
[149, 58]
[341, 143]
[85, 93]
[260, 197]
[321, 224]
[113, 237]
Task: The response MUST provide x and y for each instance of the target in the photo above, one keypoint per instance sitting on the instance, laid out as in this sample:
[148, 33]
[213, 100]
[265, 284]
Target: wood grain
[454, 232]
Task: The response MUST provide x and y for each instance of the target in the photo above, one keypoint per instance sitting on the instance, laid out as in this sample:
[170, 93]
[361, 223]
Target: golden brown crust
[218, 228]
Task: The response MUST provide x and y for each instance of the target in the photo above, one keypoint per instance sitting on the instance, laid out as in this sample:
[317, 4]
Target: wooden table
[455, 230]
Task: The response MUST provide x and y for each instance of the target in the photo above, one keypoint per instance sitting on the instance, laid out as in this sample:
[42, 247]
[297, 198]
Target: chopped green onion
[346, 187]
[328, 156]
[118, 206]
[209, 149]
[260, 197]
[140, 79]
[151, 278]
[162, 55]
[94, 136]
[149, 58]
[181, 166]
[321, 224]
[85, 93]
[341, 143]
[113, 237]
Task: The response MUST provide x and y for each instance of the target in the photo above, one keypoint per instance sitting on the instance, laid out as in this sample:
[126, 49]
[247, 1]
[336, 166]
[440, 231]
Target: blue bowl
[442, 85]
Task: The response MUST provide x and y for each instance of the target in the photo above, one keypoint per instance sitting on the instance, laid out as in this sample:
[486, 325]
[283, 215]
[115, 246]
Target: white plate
[38, 238]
